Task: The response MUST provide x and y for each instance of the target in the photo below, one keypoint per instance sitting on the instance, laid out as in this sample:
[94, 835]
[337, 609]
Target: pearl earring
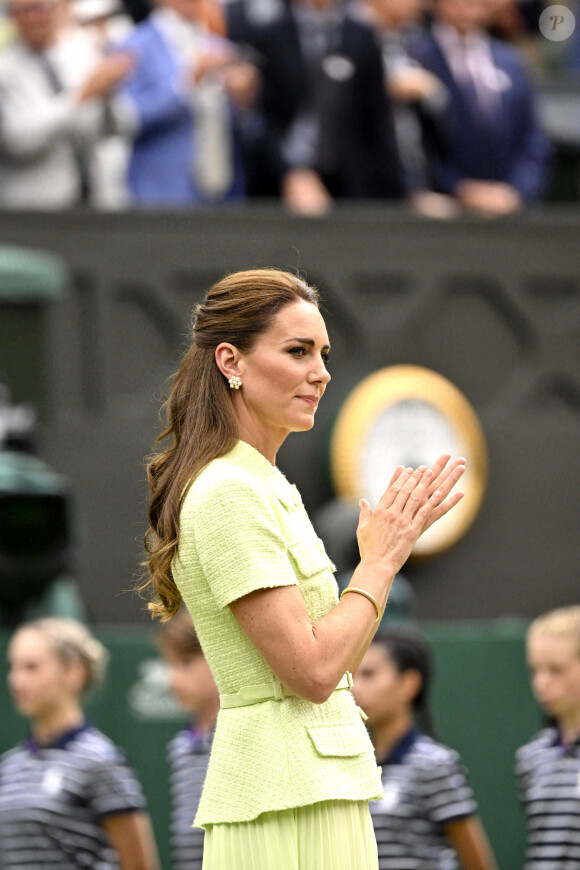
[235, 383]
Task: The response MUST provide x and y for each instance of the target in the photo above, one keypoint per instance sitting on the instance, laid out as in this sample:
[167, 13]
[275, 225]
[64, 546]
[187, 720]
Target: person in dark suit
[487, 149]
[327, 128]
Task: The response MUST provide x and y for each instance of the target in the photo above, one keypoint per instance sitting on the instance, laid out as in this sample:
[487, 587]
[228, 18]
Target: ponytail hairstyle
[72, 641]
[201, 424]
[408, 652]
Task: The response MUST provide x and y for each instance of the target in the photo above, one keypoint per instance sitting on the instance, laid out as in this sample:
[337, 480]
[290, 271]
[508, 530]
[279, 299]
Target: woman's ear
[76, 676]
[227, 358]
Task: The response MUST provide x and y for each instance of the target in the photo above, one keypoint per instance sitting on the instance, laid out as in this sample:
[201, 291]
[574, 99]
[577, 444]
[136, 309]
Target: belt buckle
[278, 690]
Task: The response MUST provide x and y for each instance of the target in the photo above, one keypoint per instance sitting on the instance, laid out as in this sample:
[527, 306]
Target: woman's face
[554, 663]
[284, 376]
[38, 680]
[378, 687]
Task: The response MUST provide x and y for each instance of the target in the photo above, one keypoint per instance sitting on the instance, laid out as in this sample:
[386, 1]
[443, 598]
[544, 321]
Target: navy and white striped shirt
[548, 775]
[54, 797]
[188, 757]
[426, 788]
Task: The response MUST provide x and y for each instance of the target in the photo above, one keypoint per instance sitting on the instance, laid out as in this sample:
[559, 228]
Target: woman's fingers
[448, 478]
[396, 473]
[398, 481]
[423, 489]
[442, 469]
[441, 509]
[405, 480]
[441, 501]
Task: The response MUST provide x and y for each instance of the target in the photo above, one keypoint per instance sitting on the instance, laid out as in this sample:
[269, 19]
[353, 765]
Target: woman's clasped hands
[411, 503]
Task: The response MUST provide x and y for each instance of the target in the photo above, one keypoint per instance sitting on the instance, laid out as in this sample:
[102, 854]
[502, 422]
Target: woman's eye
[297, 351]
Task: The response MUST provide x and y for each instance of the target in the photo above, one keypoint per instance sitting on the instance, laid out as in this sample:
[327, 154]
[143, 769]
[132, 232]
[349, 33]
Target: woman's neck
[570, 727]
[387, 734]
[265, 442]
[55, 722]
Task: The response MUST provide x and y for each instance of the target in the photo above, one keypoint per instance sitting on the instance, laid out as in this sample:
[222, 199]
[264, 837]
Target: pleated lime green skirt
[333, 835]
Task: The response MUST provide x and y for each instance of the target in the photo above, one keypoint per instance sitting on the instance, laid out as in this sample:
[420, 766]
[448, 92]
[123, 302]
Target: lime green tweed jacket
[244, 527]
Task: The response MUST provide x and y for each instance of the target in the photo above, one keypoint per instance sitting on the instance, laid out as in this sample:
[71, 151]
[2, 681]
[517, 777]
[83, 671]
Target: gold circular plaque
[409, 415]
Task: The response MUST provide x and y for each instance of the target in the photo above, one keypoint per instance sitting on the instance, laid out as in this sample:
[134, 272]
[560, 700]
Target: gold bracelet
[366, 595]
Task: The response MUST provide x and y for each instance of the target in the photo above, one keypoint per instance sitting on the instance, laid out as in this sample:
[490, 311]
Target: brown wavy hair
[201, 424]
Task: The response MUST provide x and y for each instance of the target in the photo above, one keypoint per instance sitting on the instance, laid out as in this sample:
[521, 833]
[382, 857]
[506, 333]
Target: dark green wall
[494, 305]
[481, 702]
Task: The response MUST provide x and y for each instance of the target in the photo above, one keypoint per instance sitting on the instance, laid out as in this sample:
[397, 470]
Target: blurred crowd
[193, 102]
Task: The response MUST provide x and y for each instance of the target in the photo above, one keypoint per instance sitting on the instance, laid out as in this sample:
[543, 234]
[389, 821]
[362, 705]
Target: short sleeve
[448, 795]
[239, 540]
[115, 789]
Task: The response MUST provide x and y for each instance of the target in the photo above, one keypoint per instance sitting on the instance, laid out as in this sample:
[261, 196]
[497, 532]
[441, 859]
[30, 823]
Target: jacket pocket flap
[340, 739]
[310, 557]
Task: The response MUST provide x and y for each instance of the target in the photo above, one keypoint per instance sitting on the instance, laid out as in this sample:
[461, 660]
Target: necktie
[79, 152]
[482, 97]
[213, 147]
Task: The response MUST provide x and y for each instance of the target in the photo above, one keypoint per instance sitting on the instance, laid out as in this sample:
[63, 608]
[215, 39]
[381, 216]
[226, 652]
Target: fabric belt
[273, 691]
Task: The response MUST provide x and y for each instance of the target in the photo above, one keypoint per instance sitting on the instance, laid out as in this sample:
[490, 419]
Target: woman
[548, 766]
[68, 800]
[291, 769]
[427, 816]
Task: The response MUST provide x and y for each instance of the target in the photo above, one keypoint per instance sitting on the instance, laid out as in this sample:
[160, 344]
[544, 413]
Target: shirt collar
[200, 743]
[557, 740]
[401, 748]
[61, 741]
[248, 457]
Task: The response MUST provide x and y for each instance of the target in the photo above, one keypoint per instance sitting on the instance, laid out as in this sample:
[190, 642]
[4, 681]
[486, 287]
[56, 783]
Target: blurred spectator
[105, 23]
[516, 21]
[328, 129]
[188, 85]
[512, 20]
[414, 92]
[188, 753]
[68, 798]
[487, 148]
[428, 815]
[54, 93]
[548, 767]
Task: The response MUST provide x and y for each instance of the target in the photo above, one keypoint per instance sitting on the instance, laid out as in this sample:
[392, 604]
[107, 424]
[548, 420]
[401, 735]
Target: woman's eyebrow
[309, 341]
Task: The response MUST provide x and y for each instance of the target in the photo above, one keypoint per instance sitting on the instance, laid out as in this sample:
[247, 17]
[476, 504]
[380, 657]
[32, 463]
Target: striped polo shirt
[54, 797]
[188, 756]
[426, 788]
[548, 775]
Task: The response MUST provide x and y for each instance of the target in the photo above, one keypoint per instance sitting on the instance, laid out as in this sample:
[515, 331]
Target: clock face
[406, 415]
